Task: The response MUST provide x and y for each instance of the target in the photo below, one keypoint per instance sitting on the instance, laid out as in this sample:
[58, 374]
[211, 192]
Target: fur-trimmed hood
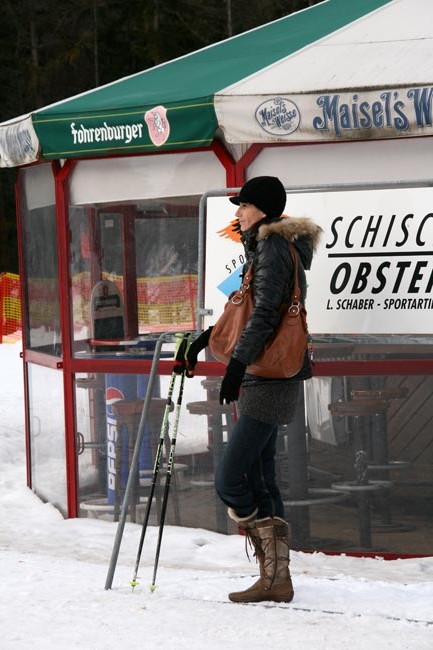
[301, 231]
[292, 228]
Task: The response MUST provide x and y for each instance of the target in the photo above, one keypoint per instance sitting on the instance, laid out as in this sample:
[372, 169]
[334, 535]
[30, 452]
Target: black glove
[231, 384]
[200, 343]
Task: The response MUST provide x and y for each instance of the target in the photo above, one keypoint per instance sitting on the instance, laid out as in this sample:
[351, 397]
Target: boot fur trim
[242, 521]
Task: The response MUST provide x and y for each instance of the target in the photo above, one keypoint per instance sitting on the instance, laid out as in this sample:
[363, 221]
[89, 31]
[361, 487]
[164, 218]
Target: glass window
[370, 347]
[371, 278]
[368, 448]
[355, 466]
[41, 295]
[134, 245]
[133, 269]
[47, 435]
[108, 413]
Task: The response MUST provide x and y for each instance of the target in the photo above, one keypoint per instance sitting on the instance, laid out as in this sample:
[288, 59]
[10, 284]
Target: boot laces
[250, 544]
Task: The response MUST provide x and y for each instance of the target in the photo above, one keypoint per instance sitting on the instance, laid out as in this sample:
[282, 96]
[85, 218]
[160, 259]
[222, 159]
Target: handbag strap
[239, 296]
[296, 291]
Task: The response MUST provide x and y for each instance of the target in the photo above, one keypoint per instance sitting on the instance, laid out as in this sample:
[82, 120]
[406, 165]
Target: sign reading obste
[373, 270]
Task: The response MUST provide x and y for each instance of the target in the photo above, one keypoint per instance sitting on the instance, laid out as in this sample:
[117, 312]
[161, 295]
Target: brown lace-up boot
[271, 540]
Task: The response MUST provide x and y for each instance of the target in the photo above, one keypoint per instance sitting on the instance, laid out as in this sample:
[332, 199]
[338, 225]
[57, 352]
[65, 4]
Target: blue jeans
[245, 478]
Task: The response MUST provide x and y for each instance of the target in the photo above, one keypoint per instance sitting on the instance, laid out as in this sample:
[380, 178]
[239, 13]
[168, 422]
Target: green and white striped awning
[342, 69]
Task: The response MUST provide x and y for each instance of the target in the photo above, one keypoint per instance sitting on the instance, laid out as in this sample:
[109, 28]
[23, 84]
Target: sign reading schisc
[373, 271]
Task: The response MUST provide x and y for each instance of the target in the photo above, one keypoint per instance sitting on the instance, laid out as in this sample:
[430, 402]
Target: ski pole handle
[182, 345]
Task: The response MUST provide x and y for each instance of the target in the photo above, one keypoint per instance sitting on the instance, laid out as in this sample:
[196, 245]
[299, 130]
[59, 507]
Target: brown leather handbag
[284, 353]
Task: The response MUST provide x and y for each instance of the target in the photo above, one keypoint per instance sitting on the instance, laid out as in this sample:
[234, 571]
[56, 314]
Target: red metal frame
[2, 297]
[227, 160]
[215, 369]
[71, 365]
[340, 368]
[374, 554]
[41, 359]
[235, 176]
[246, 160]
[60, 177]
[24, 330]
[129, 273]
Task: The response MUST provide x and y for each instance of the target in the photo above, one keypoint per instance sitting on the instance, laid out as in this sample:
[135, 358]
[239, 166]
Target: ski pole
[156, 466]
[169, 471]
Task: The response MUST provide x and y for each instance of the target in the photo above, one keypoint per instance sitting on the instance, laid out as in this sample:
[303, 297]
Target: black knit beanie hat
[267, 193]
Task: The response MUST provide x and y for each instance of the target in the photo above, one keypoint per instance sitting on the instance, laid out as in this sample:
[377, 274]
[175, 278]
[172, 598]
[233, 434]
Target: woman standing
[245, 479]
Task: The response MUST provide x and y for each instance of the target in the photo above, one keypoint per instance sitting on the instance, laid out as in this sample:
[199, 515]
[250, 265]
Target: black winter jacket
[266, 244]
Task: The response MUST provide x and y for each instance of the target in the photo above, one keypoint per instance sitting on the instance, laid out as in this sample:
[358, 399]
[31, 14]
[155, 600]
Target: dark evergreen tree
[53, 49]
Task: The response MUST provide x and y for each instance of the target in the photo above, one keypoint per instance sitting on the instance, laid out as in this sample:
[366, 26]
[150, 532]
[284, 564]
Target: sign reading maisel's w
[360, 114]
[399, 110]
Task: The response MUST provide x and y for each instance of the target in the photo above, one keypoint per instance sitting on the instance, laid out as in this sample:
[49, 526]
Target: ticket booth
[125, 234]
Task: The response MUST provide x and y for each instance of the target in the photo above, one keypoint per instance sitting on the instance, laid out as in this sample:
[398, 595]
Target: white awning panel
[373, 78]
[19, 144]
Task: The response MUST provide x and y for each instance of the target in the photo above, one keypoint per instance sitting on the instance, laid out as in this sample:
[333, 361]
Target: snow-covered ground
[53, 573]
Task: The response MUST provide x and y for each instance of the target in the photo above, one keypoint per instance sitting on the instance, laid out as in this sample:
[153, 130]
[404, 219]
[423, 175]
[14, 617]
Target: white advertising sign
[19, 144]
[224, 255]
[372, 273]
[307, 117]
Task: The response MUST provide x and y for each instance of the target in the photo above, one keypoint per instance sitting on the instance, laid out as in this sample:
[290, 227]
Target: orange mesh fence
[10, 307]
[163, 303]
[43, 296]
[167, 302]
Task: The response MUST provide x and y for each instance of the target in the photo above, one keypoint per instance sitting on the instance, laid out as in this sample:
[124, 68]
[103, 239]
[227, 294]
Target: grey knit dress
[268, 400]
